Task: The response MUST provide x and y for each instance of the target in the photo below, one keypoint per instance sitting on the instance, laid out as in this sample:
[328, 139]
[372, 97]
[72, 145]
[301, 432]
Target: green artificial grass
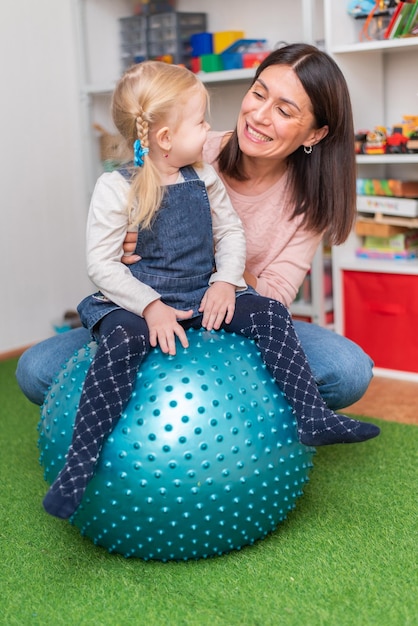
[346, 556]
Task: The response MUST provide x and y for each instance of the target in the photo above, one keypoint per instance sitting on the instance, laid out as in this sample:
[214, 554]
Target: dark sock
[283, 354]
[335, 428]
[106, 391]
[64, 496]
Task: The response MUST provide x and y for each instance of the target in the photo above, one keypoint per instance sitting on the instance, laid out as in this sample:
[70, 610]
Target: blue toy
[360, 8]
[204, 460]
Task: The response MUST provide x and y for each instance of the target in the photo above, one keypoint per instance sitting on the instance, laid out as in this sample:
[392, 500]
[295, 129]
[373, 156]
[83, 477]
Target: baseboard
[397, 374]
[12, 354]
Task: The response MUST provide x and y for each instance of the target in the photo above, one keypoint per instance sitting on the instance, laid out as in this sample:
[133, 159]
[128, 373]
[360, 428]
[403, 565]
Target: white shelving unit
[99, 68]
[383, 84]
[318, 307]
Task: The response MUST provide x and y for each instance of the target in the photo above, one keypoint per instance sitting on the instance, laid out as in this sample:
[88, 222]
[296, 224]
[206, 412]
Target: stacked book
[387, 187]
[404, 21]
[403, 246]
[383, 235]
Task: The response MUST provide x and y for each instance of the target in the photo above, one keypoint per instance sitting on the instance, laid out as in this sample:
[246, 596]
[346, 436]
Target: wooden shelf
[393, 220]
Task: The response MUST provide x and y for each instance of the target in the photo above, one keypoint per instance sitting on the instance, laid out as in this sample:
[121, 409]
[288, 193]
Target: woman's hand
[218, 304]
[129, 246]
[163, 326]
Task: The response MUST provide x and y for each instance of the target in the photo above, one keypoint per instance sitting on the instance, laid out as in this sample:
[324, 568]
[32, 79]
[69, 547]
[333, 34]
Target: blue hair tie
[139, 153]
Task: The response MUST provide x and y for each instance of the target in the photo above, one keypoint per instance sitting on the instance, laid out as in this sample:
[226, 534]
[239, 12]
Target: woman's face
[276, 116]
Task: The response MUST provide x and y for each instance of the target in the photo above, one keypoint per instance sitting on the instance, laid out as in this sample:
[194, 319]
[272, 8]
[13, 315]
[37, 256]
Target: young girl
[190, 273]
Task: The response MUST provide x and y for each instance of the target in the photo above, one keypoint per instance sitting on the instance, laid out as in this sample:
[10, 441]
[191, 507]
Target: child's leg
[269, 323]
[124, 342]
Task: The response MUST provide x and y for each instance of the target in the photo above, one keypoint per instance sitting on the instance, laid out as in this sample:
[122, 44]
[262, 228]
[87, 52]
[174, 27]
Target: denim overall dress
[177, 256]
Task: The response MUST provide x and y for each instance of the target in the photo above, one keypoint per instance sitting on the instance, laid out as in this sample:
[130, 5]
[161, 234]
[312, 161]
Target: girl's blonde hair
[145, 96]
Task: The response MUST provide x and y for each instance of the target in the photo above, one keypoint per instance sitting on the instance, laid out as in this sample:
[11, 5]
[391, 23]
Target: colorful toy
[113, 149]
[412, 143]
[402, 138]
[409, 131]
[359, 141]
[408, 125]
[376, 15]
[221, 40]
[360, 8]
[205, 459]
[396, 143]
[233, 57]
[375, 141]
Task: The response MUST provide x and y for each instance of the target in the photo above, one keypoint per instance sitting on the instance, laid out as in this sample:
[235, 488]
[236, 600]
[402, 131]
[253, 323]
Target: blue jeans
[341, 369]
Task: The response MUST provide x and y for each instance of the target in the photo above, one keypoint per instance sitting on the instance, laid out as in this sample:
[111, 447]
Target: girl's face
[189, 135]
[276, 116]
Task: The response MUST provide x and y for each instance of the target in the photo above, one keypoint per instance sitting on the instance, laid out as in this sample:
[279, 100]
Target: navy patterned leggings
[123, 344]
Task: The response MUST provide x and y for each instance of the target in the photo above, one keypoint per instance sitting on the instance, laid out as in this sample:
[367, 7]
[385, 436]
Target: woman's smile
[252, 132]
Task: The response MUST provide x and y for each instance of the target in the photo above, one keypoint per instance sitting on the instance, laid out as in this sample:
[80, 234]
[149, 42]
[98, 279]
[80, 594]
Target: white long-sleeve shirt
[108, 223]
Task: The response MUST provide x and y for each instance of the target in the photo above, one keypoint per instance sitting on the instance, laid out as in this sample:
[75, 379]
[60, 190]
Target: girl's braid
[142, 127]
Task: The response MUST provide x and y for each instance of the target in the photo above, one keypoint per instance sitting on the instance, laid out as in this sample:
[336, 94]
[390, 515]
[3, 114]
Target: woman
[190, 274]
[289, 168]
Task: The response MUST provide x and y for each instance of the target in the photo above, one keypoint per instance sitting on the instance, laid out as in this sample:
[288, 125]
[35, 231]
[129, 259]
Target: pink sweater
[279, 251]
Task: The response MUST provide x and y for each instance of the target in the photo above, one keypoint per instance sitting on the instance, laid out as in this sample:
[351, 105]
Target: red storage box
[253, 59]
[381, 315]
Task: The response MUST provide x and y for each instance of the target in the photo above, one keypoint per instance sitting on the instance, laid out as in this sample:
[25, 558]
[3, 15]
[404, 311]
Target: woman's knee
[342, 370]
[351, 377]
[39, 364]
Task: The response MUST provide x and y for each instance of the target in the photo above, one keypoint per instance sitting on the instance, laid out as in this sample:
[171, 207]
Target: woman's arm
[284, 267]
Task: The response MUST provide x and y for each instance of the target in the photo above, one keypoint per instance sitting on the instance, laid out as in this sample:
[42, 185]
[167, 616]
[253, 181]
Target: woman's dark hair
[324, 182]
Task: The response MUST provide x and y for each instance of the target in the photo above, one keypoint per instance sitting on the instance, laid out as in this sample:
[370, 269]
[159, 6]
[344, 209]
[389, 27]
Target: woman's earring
[307, 149]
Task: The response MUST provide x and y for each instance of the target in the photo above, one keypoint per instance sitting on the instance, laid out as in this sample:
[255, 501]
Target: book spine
[402, 20]
[397, 243]
[411, 20]
[387, 187]
[392, 21]
[363, 253]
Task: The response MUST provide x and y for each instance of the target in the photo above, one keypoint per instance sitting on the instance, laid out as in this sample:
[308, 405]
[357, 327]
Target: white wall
[269, 19]
[273, 20]
[42, 166]
[43, 208]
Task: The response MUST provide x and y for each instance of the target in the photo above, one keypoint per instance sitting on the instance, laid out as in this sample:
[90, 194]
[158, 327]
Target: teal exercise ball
[204, 460]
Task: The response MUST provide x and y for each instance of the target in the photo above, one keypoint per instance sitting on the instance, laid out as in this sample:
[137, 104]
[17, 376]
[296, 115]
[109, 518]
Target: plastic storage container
[170, 34]
[133, 40]
[381, 315]
[160, 35]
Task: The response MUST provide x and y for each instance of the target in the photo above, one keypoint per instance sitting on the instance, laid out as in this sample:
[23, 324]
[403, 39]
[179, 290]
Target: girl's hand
[129, 246]
[218, 304]
[163, 326]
